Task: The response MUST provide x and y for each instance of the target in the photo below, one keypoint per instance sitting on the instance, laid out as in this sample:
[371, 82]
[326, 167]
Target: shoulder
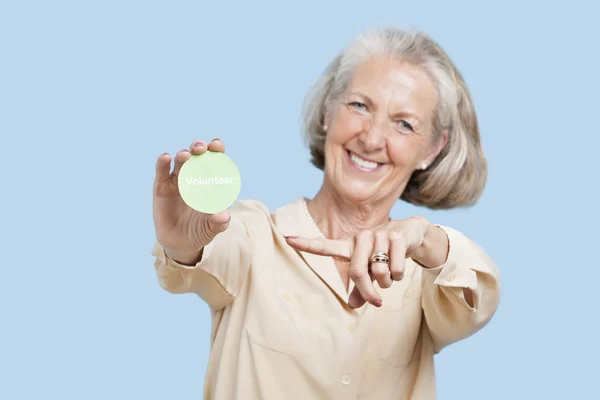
[249, 207]
[249, 212]
[256, 216]
[257, 208]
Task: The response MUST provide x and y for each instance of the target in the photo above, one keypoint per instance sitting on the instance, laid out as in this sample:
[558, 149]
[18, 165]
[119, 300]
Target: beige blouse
[282, 328]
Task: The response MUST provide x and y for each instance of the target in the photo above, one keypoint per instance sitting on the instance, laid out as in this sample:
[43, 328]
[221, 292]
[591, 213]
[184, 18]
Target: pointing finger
[341, 249]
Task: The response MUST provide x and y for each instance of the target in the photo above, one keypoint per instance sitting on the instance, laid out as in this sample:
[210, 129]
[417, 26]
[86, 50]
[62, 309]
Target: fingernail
[217, 139]
[377, 303]
[291, 237]
[199, 144]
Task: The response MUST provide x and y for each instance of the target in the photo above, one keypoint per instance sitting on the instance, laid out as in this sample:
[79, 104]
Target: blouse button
[346, 380]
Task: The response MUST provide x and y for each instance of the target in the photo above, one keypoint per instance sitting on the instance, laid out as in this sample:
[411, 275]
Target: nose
[372, 137]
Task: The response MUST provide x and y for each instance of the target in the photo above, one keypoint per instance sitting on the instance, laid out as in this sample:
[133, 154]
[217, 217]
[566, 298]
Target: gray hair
[458, 175]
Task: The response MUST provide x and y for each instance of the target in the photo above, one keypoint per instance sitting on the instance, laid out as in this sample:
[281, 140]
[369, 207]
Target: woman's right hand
[182, 231]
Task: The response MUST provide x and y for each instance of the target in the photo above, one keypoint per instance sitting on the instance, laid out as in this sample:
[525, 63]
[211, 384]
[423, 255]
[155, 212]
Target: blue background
[91, 92]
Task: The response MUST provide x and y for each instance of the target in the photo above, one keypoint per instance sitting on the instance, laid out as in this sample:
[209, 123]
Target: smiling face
[380, 131]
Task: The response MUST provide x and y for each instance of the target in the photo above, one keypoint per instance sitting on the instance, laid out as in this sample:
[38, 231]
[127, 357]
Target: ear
[326, 116]
[435, 150]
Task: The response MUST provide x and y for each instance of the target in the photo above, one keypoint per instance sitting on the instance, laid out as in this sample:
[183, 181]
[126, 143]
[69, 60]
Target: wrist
[433, 251]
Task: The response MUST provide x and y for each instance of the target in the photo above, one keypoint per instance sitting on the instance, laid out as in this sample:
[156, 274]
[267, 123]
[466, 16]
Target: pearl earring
[423, 166]
[325, 127]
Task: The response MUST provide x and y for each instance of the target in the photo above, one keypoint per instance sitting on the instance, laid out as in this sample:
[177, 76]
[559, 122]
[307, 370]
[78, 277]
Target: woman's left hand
[397, 240]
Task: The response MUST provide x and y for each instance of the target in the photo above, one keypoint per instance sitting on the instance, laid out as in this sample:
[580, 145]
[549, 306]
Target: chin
[357, 192]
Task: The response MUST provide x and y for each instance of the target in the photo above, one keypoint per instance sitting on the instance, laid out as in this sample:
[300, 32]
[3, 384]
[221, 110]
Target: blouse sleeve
[218, 277]
[448, 315]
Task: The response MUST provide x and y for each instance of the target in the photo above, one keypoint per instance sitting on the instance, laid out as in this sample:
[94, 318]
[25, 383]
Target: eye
[358, 105]
[405, 126]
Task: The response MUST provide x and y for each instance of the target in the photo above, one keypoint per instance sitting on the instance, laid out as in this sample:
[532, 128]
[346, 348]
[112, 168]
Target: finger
[163, 168]
[216, 145]
[397, 255]
[181, 157]
[356, 300]
[380, 270]
[198, 147]
[222, 217]
[218, 222]
[359, 268]
[341, 249]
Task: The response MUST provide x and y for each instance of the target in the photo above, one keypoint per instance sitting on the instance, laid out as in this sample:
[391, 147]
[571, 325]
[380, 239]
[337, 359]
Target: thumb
[217, 223]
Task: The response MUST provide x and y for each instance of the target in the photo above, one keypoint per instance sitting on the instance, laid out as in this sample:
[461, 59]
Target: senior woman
[330, 298]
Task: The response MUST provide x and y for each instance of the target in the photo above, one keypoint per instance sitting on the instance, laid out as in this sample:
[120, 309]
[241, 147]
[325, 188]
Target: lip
[348, 156]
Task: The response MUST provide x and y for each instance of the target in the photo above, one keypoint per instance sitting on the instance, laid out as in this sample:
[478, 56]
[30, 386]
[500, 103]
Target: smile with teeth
[363, 164]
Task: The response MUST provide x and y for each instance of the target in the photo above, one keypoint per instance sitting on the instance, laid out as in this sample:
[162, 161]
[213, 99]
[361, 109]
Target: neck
[338, 218]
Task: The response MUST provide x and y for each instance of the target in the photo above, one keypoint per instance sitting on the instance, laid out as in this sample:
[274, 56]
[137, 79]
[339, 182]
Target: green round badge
[209, 182]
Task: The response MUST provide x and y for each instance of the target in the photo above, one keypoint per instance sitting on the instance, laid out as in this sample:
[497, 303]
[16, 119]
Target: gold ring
[381, 256]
